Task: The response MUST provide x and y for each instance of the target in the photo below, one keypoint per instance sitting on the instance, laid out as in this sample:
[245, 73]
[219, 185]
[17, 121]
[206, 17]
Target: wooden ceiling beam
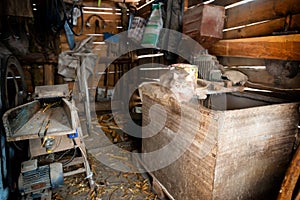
[261, 10]
[283, 47]
[224, 2]
[264, 29]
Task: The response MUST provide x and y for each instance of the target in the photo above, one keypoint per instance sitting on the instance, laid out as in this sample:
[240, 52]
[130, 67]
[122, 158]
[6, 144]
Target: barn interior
[149, 99]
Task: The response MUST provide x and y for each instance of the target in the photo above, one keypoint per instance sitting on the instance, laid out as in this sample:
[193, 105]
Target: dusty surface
[110, 184]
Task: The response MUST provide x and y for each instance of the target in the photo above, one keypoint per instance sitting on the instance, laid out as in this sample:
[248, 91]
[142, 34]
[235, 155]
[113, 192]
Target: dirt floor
[110, 184]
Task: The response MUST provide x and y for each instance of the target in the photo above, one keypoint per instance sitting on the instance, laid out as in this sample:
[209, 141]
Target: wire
[69, 161]
[60, 157]
[19, 148]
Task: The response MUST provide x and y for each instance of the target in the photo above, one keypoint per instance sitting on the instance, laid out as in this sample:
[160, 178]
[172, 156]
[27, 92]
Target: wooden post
[186, 4]
[48, 74]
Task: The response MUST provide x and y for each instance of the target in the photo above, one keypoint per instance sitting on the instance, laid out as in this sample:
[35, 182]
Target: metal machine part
[51, 124]
[208, 66]
[13, 92]
[34, 181]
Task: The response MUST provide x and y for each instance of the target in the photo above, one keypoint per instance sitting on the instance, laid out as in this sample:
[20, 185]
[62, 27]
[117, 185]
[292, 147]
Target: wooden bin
[204, 23]
[249, 147]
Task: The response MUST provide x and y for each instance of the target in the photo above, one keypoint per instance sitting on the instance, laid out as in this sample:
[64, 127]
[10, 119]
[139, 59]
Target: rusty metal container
[241, 149]
[204, 23]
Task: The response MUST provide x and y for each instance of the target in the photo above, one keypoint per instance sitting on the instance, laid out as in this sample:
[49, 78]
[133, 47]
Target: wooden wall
[258, 31]
[111, 14]
[112, 19]
[255, 33]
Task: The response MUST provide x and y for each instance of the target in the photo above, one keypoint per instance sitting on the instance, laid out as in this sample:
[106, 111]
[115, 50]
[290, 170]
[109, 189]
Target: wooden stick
[291, 178]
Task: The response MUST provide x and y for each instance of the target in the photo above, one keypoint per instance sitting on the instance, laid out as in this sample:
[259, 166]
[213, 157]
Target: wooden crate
[248, 148]
[204, 23]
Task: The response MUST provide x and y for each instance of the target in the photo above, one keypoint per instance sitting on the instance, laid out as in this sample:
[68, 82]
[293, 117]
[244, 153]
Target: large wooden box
[204, 23]
[241, 149]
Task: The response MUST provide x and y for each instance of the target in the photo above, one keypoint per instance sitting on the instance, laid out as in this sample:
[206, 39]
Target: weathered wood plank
[194, 2]
[62, 143]
[253, 151]
[256, 11]
[96, 38]
[193, 183]
[216, 2]
[289, 183]
[263, 29]
[262, 79]
[235, 61]
[104, 4]
[224, 2]
[108, 18]
[284, 47]
[186, 4]
[249, 145]
[48, 74]
[145, 11]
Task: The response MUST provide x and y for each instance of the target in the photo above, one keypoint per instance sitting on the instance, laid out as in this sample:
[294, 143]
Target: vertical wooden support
[291, 177]
[48, 74]
[186, 4]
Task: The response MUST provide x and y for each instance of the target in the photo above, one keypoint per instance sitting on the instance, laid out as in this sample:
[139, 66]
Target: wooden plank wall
[112, 19]
[111, 14]
[258, 31]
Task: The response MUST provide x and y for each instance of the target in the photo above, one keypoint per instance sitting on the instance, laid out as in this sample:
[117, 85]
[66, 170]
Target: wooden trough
[241, 149]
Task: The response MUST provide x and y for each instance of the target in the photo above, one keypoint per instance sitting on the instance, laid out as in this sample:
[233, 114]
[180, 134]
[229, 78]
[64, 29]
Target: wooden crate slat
[258, 151]
[284, 47]
[182, 170]
[250, 147]
[257, 11]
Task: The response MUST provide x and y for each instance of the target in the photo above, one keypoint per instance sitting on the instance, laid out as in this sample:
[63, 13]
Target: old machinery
[36, 182]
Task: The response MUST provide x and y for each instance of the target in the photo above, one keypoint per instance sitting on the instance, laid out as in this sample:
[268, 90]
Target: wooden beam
[235, 61]
[257, 11]
[224, 2]
[263, 29]
[145, 11]
[284, 47]
[186, 4]
[48, 74]
[291, 177]
[194, 2]
[125, 1]
[216, 2]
